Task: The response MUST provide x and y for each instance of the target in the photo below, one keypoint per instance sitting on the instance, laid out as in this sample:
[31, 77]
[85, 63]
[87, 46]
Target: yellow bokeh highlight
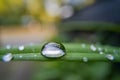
[45, 18]
[15, 3]
[36, 8]
[3, 7]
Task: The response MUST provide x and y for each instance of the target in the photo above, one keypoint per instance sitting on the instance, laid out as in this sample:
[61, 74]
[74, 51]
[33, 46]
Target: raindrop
[110, 57]
[21, 48]
[93, 47]
[8, 57]
[8, 46]
[53, 50]
[85, 59]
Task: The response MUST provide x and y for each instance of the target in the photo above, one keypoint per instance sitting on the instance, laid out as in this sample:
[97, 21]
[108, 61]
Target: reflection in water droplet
[83, 45]
[110, 57]
[8, 57]
[8, 47]
[85, 59]
[93, 48]
[53, 50]
[21, 48]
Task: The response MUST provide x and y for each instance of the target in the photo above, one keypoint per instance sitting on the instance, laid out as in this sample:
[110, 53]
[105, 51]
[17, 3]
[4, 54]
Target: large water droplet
[85, 59]
[53, 50]
[21, 48]
[8, 57]
[110, 57]
[93, 48]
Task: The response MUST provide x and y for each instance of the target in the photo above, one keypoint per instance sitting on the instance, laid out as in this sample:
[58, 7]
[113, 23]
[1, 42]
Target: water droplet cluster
[57, 50]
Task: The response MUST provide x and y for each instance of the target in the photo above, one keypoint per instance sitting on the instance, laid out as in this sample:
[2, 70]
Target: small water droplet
[53, 50]
[110, 57]
[85, 59]
[8, 57]
[35, 55]
[83, 45]
[20, 56]
[101, 52]
[21, 48]
[93, 48]
[100, 49]
[8, 46]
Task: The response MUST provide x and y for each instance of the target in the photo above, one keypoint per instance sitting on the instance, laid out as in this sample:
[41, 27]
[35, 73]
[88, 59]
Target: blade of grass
[70, 47]
[74, 52]
[67, 57]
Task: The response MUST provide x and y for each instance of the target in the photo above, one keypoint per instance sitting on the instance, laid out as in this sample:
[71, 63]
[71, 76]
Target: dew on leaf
[35, 55]
[83, 45]
[85, 59]
[93, 48]
[20, 56]
[21, 48]
[110, 57]
[7, 57]
[101, 52]
[53, 50]
[100, 49]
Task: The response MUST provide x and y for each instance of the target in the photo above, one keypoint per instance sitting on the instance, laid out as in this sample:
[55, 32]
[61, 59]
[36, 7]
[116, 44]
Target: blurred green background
[24, 22]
